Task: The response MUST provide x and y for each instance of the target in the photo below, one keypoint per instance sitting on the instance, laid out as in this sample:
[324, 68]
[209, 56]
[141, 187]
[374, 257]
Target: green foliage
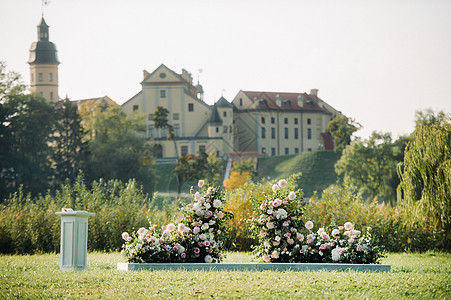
[370, 166]
[214, 173]
[70, 153]
[393, 227]
[29, 225]
[316, 167]
[27, 127]
[117, 150]
[342, 128]
[426, 174]
[249, 166]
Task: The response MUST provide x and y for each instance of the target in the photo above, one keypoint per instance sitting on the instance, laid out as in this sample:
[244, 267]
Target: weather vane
[43, 4]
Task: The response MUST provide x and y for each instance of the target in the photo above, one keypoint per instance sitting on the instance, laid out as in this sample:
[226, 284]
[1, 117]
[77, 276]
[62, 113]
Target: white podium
[74, 239]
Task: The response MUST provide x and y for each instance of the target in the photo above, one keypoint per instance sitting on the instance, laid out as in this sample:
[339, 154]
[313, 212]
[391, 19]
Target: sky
[377, 62]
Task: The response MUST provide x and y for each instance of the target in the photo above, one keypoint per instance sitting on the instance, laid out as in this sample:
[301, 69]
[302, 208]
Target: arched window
[157, 151]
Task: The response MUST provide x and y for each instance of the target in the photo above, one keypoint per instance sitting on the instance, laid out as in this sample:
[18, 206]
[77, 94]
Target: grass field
[414, 276]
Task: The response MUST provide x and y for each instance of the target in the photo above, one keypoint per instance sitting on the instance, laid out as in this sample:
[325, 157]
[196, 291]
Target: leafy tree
[70, 152]
[190, 168]
[214, 171]
[342, 128]
[161, 121]
[370, 166]
[249, 166]
[428, 117]
[426, 172]
[117, 148]
[27, 127]
[236, 179]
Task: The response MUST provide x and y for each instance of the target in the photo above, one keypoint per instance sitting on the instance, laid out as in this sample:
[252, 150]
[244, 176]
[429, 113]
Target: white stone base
[252, 267]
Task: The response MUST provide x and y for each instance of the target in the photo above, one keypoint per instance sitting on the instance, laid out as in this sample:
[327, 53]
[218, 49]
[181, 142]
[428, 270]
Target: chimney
[278, 100]
[145, 73]
[300, 101]
[314, 92]
[187, 76]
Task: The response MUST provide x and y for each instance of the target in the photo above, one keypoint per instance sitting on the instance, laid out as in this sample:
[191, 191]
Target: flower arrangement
[198, 237]
[284, 237]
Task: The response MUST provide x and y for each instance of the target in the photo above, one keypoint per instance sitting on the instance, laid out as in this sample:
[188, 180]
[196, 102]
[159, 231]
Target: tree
[370, 166]
[214, 172]
[117, 147]
[426, 172]
[248, 166]
[70, 152]
[342, 128]
[27, 127]
[161, 121]
[190, 168]
[236, 179]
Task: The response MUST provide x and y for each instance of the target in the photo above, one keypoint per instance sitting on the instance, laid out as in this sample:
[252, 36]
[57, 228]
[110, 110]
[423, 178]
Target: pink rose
[183, 255]
[196, 250]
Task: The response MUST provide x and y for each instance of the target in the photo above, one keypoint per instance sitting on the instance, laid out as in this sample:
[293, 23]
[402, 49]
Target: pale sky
[375, 61]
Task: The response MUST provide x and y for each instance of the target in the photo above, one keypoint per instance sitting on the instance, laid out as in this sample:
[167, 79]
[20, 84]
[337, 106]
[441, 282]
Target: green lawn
[416, 276]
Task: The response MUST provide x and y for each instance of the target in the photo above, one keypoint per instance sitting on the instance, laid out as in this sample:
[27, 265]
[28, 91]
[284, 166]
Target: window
[175, 117]
[296, 133]
[151, 116]
[273, 151]
[309, 121]
[150, 131]
[273, 120]
[184, 150]
[285, 120]
[296, 150]
[309, 149]
[309, 133]
[241, 101]
[230, 128]
[190, 106]
[286, 133]
[41, 94]
[135, 107]
[51, 95]
[224, 114]
[41, 77]
[164, 132]
[263, 150]
[162, 93]
[273, 132]
[263, 120]
[287, 151]
[295, 120]
[32, 77]
[202, 148]
[224, 129]
[176, 130]
[51, 77]
[263, 132]
[217, 129]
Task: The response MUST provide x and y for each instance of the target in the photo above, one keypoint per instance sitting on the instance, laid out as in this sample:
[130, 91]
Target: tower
[44, 65]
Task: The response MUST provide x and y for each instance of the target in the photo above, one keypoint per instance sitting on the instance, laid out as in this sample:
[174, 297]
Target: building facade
[44, 63]
[197, 125]
[275, 123]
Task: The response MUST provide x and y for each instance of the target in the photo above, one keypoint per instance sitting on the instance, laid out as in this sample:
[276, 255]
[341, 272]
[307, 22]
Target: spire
[43, 30]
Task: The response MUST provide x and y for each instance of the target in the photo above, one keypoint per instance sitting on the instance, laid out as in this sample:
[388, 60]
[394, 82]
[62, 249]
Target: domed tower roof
[43, 51]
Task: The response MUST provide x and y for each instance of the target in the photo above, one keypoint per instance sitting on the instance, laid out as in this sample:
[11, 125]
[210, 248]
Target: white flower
[220, 215]
[277, 238]
[335, 232]
[336, 254]
[217, 203]
[208, 259]
[282, 183]
[196, 230]
[197, 196]
[320, 231]
[212, 222]
[290, 241]
[166, 233]
[200, 183]
[263, 206]
[125, 236]
[348, 226]
[275, 254]
[196, 206]
[266, 244]
[269, 211]
[210, 190]
[275, 188]
[292, 195]
[281, 214]
[171, 227]
[277, 203]
[181, 227]
[270, 225]
[207, 205]
[300, 237]
[309, 225]
[180, 249]
[203, 236]
[304, 247]
[310, 237]
[142, 231]
[205, 226]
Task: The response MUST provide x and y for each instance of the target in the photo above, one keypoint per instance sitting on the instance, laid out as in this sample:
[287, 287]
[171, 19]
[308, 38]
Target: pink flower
[341, 227]
[218, 232]
[288, 234]
[262, 233]
[285, 202]
[293, 229]
[282, 183]
[292, 195]
[219, 254]
[125, 236]
[351, 240]
[207, 243]
[266, 258]
[143, 250]
[309, 241]
[277, 203]
[369, 229]
[183, 255]
[294, 218]
[285, 224]
[181, 227]
[323, 246]
[166, 248]
[174, 248]
[359, 249]
[275, 188]
[275, 254]
[196, 250]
